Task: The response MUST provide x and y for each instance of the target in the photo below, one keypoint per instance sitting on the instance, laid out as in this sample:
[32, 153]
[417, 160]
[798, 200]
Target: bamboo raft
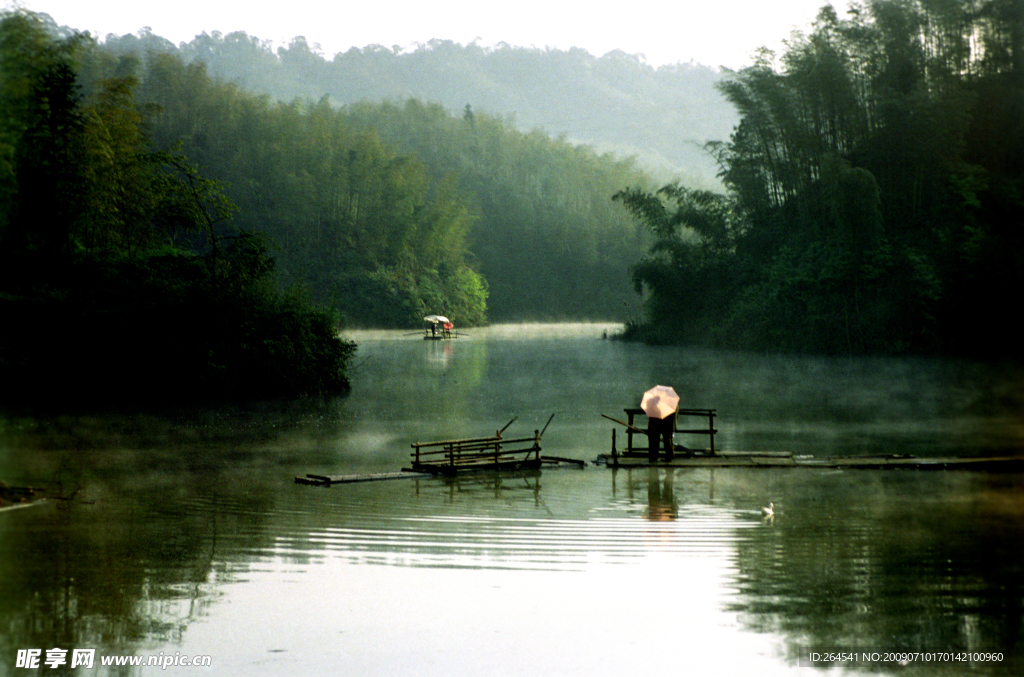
[638, 457]
[448, 457]
[474, 454]
[455, 457]
[786, 459]
[497, 453]
[493, 453]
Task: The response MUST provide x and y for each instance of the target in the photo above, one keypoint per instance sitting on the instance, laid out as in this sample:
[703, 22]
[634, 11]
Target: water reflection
[117, 574]
[185, 526]
[909, 561]
[661, 495]
[140, 567]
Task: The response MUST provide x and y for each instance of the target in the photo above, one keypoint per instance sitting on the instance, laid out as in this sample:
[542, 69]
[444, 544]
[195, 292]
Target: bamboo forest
[874, 195]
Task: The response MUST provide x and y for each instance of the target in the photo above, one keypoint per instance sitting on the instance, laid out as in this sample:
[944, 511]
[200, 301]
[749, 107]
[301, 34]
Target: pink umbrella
[660, 402]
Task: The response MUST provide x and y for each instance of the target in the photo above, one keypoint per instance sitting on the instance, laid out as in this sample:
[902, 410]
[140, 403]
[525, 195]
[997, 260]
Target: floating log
[558, 460]
[785, 459]
[327, 480]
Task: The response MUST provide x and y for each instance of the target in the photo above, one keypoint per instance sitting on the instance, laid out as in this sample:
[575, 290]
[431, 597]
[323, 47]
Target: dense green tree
[49, 157]
[97, 299]
[545, 242]
[877, 207]
[687, 273]
[365, 228]
[548, 241]
[392, 211]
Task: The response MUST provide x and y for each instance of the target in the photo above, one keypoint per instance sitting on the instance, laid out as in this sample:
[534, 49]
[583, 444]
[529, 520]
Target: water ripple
[517, 543]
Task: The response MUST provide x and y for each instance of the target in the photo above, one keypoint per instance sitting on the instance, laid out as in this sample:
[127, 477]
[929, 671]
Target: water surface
[184, 532]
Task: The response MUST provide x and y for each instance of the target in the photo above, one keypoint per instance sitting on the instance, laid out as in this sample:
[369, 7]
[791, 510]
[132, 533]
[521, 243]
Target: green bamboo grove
[874, 193]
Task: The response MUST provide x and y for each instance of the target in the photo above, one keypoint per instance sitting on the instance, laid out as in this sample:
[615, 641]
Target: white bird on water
[769, 511]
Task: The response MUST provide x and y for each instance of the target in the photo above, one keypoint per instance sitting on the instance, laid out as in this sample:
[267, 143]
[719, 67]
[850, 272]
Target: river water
[181, 533]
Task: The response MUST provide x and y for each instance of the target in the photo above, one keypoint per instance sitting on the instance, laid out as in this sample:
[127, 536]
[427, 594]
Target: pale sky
[710, 32]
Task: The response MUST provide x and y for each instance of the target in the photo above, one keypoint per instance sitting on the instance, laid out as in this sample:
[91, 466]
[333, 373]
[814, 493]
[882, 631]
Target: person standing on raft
[661, 432]
[661, 404]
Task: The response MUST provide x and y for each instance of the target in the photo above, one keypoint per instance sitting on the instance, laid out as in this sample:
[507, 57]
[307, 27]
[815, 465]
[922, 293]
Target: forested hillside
[391, 210]
[549, 240]
[386, 211]
[872, 186]
[615, 103]
[122, 275]
[875, 195]
[369, 231]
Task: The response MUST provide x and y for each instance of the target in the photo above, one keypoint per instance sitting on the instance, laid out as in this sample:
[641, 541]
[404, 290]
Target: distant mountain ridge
[615, 103]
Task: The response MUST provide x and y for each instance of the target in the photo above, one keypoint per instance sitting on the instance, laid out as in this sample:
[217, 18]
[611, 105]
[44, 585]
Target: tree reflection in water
[891, 560]
[124, 551]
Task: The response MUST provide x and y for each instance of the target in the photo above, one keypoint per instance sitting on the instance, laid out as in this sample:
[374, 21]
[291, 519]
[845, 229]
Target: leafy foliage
[548, 241]
[98, 298]
[392, 211]
[363, 227]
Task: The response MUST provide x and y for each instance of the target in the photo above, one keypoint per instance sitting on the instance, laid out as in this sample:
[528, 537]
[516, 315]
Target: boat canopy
[437, 319]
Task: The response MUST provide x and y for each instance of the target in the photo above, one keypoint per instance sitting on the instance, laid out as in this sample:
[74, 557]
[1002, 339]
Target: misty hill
[294, 138]
[615, 102]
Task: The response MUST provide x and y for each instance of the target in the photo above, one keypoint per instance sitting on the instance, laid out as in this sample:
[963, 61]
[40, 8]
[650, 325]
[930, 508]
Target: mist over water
[808, 405]
[186, 533]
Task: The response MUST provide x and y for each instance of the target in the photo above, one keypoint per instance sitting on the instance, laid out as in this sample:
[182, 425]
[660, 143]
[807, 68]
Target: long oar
[507, 425]
[546, 425]
[631, 427]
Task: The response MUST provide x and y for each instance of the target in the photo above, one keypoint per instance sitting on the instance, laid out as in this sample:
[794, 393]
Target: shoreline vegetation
[121, 276]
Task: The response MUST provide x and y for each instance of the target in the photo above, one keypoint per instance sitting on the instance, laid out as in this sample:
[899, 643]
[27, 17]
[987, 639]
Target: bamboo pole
[547, 424]
[629, 426]
[470, 445]
[458, 441]
[711, 427]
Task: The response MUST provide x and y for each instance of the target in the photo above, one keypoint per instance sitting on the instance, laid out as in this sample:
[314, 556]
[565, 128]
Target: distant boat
[438, 327]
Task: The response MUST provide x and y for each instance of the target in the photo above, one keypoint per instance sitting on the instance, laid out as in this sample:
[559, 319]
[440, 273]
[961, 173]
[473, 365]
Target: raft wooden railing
[475, 451]
[703, 413]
